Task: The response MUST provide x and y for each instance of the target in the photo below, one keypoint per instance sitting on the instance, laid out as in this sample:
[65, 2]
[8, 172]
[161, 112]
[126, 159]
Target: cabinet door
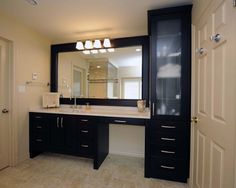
[63, 133]
[170, 65]
[56, 133]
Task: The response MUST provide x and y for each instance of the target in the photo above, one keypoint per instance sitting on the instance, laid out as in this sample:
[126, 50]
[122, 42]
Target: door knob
[5, 111]
[194, 119]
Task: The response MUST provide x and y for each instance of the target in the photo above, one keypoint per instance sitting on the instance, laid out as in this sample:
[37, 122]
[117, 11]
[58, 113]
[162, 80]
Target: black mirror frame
[116, 43]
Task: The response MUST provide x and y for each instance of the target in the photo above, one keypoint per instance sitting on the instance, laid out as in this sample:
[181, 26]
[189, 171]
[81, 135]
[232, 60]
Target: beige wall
[31, 53]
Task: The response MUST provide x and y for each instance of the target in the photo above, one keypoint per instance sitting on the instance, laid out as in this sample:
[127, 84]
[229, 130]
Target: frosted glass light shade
[88, 44]
[107, 43]
[97, 44]
[80, 45]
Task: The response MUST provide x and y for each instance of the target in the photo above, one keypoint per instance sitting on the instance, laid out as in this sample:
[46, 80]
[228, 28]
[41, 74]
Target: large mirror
[110, 75]
[119, 77]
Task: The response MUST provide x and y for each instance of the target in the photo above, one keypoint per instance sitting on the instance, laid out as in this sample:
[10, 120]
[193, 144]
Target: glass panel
[168, 78]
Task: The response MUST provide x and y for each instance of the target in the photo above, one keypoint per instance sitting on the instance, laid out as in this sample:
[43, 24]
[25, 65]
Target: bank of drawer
[169, 168]
[168, 151]
[39, 122]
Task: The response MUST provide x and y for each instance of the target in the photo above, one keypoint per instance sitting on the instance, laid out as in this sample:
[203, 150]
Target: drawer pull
[120, 121]
[168, 127]
[39, 140]
[39, 127]
[84, 120]
[84, 146]
[83, 131]
[168, 139]
[38, 117]
[168, 167]
[61, 122]
[168, 152]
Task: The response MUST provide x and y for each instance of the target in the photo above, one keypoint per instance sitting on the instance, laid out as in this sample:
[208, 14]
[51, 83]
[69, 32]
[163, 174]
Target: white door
[215, 93]
[4, 104]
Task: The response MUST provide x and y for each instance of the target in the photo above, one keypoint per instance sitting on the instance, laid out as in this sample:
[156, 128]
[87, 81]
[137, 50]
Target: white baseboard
[139, 155]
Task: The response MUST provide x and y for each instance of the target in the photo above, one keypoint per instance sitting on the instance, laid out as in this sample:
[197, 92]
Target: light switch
[34, 76]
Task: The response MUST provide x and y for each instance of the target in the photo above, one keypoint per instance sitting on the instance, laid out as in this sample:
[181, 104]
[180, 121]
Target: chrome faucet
[75, 105]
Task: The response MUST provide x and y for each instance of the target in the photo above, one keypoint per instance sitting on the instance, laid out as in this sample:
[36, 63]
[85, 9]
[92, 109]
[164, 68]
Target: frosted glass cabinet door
[168, 75]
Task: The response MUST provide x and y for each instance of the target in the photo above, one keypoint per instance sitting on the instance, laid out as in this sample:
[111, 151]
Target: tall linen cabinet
[168, 134]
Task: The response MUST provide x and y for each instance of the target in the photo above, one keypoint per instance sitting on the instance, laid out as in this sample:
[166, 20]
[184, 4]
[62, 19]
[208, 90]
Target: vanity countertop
[105, 111]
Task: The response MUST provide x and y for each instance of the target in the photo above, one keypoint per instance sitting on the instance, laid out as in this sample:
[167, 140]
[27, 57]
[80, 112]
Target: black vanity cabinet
[85, 136]
[170, 68]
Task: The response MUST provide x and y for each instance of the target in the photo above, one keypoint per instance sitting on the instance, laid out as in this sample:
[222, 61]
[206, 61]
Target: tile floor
[61, 171]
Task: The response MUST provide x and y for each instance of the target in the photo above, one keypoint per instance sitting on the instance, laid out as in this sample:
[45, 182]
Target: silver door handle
[39, 140]
[84, 146]
[5, 111]
[216, 38]
[57, 122]
[61, 122]
[153, 109]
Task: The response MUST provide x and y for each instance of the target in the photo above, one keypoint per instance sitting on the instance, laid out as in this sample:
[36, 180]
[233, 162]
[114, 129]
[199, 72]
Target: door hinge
[234, 3]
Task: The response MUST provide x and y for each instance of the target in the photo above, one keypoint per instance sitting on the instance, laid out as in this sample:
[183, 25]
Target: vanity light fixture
[93, 47]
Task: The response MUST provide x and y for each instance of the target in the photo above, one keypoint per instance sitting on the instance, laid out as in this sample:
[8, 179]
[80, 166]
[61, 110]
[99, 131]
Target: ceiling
[71, 20]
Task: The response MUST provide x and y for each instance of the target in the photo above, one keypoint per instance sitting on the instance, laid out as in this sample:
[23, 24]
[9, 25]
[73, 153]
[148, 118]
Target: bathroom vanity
[79, 132]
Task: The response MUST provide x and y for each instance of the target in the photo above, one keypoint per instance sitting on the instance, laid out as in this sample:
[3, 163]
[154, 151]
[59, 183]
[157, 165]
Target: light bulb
[88, 44]
[107, 43]
[97, 44]
[79, 45]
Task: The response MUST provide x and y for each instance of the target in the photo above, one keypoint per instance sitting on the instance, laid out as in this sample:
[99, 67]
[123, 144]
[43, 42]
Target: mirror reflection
[110, 75]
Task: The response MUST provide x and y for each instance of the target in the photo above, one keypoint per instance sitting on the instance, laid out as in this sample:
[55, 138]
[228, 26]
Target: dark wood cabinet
[84, 136]
[168, 135]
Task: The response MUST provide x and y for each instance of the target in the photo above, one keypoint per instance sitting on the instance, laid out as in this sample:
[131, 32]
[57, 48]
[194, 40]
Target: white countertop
[106, 111]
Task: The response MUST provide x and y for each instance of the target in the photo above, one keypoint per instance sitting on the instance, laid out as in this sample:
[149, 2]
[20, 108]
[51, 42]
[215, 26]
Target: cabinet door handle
[153, 109]
[168, 127]
[84, 146]
[39, 140]
[83, 131]
[61, 122]
[57, 122]
[38, 117]
[167, 139]
[84, 120]
[39, 127]
[120, 121]
[168, 152]
[168, 167]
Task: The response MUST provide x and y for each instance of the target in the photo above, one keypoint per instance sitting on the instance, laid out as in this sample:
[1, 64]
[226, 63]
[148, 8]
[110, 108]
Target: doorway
[4, 103]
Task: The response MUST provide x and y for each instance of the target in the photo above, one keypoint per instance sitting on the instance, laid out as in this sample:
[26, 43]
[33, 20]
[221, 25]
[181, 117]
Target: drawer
[169, 151]
[85, 148]
[39, 141]
[126, 121]
[169, 168]
[166, 126]
[169, 138]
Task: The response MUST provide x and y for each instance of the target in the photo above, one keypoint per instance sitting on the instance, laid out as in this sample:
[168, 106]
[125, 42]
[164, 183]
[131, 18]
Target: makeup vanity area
[163, 79]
